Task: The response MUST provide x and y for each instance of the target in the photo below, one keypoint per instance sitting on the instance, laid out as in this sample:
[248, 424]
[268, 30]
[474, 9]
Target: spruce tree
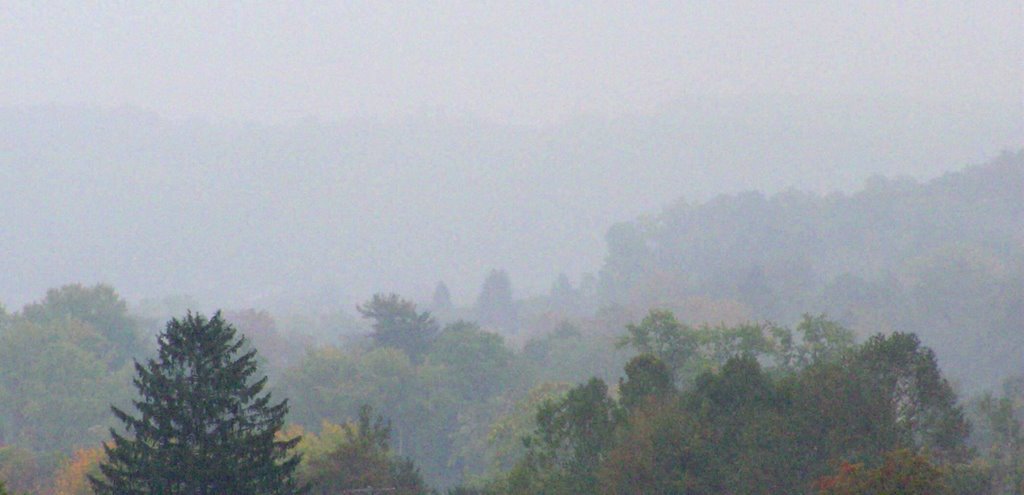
[204, 425]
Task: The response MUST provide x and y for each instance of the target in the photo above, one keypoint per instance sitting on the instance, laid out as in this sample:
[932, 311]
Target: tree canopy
[397, 324]
[204, 424]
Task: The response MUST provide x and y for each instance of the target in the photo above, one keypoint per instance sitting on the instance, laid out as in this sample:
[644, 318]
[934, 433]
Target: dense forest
[943, 259]
[864, 342]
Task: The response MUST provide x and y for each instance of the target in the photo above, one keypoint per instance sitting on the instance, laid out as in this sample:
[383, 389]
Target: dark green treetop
[362, 460]
[398, 324]
[206, 427]
[646, 378]
[570, 441]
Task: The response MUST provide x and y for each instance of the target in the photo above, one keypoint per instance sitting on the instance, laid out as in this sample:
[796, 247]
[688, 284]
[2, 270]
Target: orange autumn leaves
[902, 472]
[72, 478]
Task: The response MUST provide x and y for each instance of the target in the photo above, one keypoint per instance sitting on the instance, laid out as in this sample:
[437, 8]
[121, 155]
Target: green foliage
[690, 351]
[646, 378]
[759, 408]
[976, 478]
[886, 395]
[505, 438]
[572, 436]
[998, 435]
[661, 335]
[332, 385]
[568, 354]
[751, 448]
[26, 471]
[904, 377]
[460, 490]
[477, 363]
[54, 389]
[357, 455]
[822, 340]
[729, 434]
[660, 449]
[205, 425]
[941, 259]
[397, 324]
[62, 360]
[742, 429]
[99, 307]
[721, 343]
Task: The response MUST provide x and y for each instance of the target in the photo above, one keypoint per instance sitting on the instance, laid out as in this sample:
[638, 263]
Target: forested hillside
[791, 343]
[512, 248]
[322, 213]
[943, 259]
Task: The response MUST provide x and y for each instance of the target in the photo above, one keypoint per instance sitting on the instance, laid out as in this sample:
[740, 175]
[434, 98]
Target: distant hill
[943, 258]
[242, 214]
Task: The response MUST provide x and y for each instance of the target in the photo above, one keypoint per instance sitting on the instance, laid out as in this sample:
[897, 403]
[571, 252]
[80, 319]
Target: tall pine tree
[205, 425]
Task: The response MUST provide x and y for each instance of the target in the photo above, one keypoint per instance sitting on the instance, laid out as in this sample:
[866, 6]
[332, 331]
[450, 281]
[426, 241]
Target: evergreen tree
[399, 325]
[495, 307]
[442, 300]
[205, 425]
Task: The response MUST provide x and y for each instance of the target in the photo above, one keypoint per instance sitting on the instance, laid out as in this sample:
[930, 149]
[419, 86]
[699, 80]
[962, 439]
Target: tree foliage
[357, 455]
[477, 363]
[72, 478]
[205, 426]
[55, 390]
[661, 335]
[741, 428]
[902, 472]
[26, 471]
[569, 443]
[912, 394]
[397, 324]
[494, 306]
[99, 307]
[646, 378]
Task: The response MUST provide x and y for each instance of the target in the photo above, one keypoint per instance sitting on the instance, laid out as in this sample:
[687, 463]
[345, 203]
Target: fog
[523, 62]
[256, 156]
[512, 247]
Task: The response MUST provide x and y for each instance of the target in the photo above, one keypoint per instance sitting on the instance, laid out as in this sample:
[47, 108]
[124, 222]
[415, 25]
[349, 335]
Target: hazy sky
[451, 138]
[522, 62]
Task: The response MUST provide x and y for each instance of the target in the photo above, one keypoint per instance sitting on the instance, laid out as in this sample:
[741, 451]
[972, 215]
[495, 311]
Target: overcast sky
[523, 62]
[397, 144]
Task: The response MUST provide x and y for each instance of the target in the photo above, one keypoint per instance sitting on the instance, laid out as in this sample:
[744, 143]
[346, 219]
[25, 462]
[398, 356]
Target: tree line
[749, 408]
[442, 395]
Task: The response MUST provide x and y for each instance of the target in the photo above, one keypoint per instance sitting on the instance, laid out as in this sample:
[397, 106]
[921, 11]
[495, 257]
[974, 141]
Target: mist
[252, 155]
[468, 217]
[252, 214]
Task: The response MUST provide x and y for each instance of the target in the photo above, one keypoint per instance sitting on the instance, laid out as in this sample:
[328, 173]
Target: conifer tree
[399, 325]
[205, 425]
[495, 307]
